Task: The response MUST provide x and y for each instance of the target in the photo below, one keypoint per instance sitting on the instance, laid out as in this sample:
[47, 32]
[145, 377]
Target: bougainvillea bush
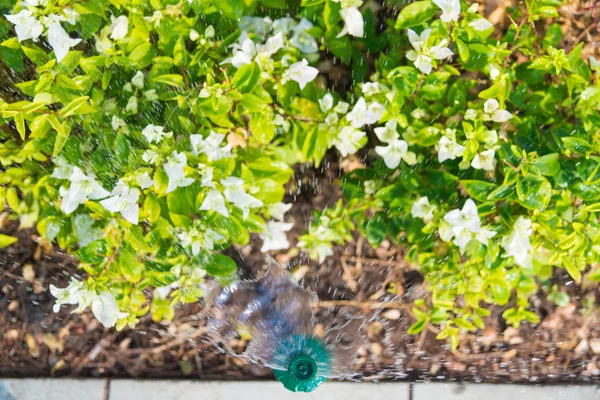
[151, 135]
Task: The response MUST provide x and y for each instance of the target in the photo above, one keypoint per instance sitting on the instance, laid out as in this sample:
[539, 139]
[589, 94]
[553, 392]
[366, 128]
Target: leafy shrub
[168, 133]
[488, 166]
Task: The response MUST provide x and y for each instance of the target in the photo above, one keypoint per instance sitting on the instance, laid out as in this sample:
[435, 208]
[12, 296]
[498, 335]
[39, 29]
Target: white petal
[119, 28]
[214, 201]
[105, 309]
[60, 41]
[501, 116]
[354, 21]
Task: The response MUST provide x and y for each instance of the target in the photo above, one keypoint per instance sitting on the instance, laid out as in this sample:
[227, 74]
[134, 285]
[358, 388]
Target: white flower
[370, 88]
[348, 140]
[103, 305]
[332, 119]
[194, 35]
[326, 102]
[274, 237]
[72, 294]
[119, 27]
[214, 201]
[198, 240]
[490, 138]
[149, 156]
[341, 107]
[388, 132]
[34, 3]
[448, 149]
[236, 194]
[423, 56]
[278, 210]
[271, 46]
[440, 51]
[353, 22]
[154, 133]
[156, 18]
[59, 40]
[244, 54]
[144, 180]
[395, 151]
[164, 291]
[494, 71]
[365, 114]
[422, 209]
[301, 72]
[419, 55]
[301, 39]
[320, 244]
[103, 44]
[470, 114]
[450, 9]
[484, 160]
[175, 169]
[279, 120]
[516, 243]
[445, 231]
[151, 95]
[473, 8]
[207, 177]
[464, 223]
[123, 200]
[481, 24]
[118, 123]
[63, 169]
[483, 235]
[26, 25]
[211, 146]
[83, 188]
[209, 32]
[106, 309]
[138, 80]
[132, 105]
[418, 113]
[493, 112]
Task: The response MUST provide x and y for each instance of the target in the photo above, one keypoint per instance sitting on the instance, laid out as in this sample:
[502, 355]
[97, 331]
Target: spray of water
[278, 314]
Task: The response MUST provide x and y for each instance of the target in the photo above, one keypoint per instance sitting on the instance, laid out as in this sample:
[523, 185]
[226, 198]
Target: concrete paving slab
[455, 391]
[178, 390]
[52, 389]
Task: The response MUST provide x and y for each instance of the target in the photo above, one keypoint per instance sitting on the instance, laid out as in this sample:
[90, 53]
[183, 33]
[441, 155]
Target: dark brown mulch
[34, 341]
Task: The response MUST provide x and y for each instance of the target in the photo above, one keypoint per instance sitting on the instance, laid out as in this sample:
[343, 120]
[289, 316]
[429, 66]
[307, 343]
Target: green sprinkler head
[303, 373]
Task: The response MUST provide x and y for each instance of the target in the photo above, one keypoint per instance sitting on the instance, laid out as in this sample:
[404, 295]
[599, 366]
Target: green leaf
[169, 79]
[533, 192]
[6, 240]
[246, 78]
[577, 145]
[548, 164]
[221, 266]
[416, 14]
[73, 106]
[262, 128]
[152, 207]
[479, 190]
[417, 327]
[20, 123]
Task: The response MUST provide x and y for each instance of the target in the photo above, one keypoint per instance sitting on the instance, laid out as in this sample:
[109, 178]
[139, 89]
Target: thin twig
[373, 305]
[176, 342]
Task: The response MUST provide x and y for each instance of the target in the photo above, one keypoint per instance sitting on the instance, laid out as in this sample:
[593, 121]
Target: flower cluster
[36, 18]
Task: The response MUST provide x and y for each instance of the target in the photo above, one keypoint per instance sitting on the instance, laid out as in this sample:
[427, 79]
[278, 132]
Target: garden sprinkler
[307, 359]
[278, 315]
